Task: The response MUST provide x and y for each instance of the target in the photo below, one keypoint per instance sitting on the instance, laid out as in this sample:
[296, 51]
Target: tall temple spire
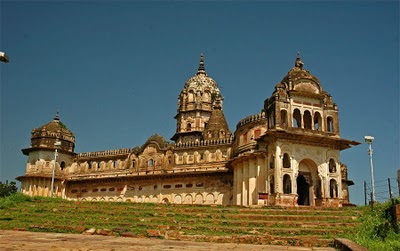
[201, 65]
[298, 62]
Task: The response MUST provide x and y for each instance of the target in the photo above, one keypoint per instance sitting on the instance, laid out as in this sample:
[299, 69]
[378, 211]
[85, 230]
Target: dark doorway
[303, 191]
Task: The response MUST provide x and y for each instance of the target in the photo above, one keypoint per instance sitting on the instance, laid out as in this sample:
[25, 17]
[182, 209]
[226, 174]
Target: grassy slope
[295, 226]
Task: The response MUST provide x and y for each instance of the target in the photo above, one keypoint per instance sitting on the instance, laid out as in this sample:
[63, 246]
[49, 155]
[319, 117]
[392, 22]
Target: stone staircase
[301, 226]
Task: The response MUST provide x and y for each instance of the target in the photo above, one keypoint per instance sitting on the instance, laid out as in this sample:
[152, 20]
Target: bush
[8, 189]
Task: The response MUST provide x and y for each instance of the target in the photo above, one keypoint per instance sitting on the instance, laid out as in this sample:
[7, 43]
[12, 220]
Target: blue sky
[115, 69]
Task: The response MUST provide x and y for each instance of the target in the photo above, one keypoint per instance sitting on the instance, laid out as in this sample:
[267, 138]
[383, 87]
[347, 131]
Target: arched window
[188, 127]
[284, 119]
[151, 162]
[329, 124]
[98, 165]
[272, 184]
[296, 118]
[90, 165]
[287, 184]
[115, 163]
[333, 188]
[62, 165]
[286, 160]
[307, 120]
[332, 166]
[133, 163]
[272, 162]
[317, 121]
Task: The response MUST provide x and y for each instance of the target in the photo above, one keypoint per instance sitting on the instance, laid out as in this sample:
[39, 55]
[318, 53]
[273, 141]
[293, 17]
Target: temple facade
[286, 155]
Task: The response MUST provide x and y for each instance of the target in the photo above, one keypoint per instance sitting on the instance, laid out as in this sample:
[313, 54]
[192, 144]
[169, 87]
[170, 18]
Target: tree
[8, 188]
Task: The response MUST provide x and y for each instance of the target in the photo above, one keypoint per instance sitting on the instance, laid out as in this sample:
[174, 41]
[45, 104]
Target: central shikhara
[286, 155]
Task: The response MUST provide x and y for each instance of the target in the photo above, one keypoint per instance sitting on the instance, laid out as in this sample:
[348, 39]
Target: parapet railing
[105, 153]
[205, 143]
[251, 118]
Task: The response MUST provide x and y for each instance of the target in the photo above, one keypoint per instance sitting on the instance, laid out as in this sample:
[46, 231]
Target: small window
[188, 127]
[94, 190]
[307, 120]
[140, 188]
[155, 186]
[286, 160]
[284, 118]
[119, 189]
[272, 184]
[178, 186]
[199, 185]
[287, 184]
[103, 189]
[111, 189]
[329, 124]
[74, 190]
[115, 163]
[167, 186]
[332, 166]
[296, 118]
[62, 165]
[151, 162]
[333, 188]
[189, 185]
[84, 190]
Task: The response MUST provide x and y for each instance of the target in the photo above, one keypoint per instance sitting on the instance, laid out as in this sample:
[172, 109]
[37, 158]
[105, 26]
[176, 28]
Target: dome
[201, 84]
[54, 131]
[301, 80]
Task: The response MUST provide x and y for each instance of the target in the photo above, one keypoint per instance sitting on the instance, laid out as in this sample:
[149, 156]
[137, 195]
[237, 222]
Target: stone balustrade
[251, 118]
[204, 143]
[114, 152]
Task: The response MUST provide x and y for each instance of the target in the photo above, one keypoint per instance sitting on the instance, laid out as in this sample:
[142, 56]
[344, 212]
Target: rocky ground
[23, 240]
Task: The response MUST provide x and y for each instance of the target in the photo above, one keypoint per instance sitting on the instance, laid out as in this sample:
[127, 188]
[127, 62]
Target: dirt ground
[22, 240]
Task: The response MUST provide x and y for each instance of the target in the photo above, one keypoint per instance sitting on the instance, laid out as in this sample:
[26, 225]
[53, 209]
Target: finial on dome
[298, 62]
[56, 118]
[201, 65]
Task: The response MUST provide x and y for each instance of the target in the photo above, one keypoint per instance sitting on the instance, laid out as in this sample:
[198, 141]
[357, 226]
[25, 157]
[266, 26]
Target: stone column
[252, 182]
[245, 191]
[235, 171]
[239, 180]
[278, 170]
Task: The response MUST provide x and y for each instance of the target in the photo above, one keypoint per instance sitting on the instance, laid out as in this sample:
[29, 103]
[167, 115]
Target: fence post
[365, 193]
[372, 201]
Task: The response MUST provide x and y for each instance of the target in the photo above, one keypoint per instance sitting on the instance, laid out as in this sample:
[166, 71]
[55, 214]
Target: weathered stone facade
[286, 155]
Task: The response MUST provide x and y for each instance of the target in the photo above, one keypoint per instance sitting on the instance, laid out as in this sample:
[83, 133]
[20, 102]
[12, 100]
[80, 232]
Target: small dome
[301, 80]
[55, 131]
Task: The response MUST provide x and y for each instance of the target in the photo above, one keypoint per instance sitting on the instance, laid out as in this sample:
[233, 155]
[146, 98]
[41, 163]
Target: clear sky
[115, 69]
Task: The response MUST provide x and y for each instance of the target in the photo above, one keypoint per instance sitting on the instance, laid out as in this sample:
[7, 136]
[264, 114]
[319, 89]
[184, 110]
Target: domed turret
[195, 105]
[47, 135]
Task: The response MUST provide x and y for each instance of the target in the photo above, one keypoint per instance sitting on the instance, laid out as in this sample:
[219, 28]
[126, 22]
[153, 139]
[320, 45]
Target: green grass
[377, 232]
[286, 225]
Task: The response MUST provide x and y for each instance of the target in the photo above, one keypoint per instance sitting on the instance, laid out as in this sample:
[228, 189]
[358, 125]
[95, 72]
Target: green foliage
[377, 231]
[8, 189]
[13, 199]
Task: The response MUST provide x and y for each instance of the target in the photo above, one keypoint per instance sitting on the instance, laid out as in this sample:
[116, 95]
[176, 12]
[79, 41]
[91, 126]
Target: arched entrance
[303, 190]
[307, 183]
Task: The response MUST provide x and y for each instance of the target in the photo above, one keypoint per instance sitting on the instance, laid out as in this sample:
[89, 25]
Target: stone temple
[286, 155]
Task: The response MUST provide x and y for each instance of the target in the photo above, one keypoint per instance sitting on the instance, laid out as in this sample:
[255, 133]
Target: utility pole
[368, 140]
